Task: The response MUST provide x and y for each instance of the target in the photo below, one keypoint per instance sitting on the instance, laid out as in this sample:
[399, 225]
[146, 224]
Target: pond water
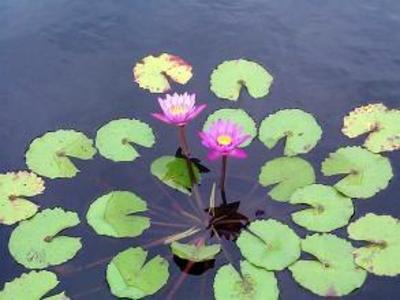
[67, 64]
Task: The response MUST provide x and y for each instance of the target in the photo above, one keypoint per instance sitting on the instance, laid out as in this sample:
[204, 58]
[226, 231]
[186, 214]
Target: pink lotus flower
[178, 109]
[224, 139]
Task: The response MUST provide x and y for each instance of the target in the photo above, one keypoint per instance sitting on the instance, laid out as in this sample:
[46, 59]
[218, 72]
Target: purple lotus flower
[223, 138]
[178, 109]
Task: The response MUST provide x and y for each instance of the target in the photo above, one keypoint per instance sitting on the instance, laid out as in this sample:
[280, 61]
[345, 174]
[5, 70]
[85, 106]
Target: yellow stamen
[177, 109]
[224, 140]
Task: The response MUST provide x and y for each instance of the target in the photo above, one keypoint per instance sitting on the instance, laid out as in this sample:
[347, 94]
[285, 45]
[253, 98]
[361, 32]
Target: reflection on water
[67, 64]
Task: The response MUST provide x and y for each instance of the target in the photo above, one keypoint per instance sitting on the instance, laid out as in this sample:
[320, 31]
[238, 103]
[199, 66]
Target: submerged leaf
[300, 129]
[288, 173]
[130, 276]
[382, 124]
[49, 155]
[13, 186]
[269, 244]
[381, 255]
[368, 173]
[114, 139]
[174, 172]
[229, 77]
[35, 243]
[254, 284]
[329, 209]
[35, 284]
[195, 253]
[238, 116]
[152, 71]
[334, 273]
[114, 214]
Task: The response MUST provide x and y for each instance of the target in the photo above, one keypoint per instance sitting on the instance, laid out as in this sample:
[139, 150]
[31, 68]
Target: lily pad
[130, 276]
[60, 296]
[382, 125]
[288, 173]
[239, 116]
[334, 273]
[269, 244]
[381, 256]
[367, 173]
[49, 155]
[151, 72]
[195, 253]
[254, 284]
[13, 186]
[35, 284]
[173, 172]
[229, 77]
[329, 209]
[114, 139]
[35, 243]
[300, 129]
[115, 214]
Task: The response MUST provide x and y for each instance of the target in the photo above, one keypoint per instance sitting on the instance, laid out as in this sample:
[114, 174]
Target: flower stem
[186, 153]
[223, 178]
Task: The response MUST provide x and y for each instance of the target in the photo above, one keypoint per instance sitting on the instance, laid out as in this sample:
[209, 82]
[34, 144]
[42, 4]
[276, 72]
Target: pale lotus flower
[178, 109]
[224, 138]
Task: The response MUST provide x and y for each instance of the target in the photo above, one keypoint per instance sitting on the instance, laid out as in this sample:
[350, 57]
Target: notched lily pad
[366, 173]
[254, 284]
[115, 214]
[151, 72]
[288, 174]
[35, 284]
[381, 256]
[195, 253]
[130, 276]
[114, 139]
[173, 172]
[229, 77]
[49, 155]
[334, 273]
[329, 209]
[381, 124]
[35, 243]
[239, 116]
[14, 186]
[299, 128]
[269, 244]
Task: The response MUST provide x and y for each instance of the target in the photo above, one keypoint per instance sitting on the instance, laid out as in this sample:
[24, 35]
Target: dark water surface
[67, 64]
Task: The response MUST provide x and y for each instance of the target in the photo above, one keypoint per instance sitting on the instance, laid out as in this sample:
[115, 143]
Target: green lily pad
[229, 77]
[151, 72]
[254, 284]
[367, 173]
[60, 296]
[300, 129]
[173, 172]
[329, 209]
[381, 256]
[239, 116]
[49, 155]
[115, 214]
[382, 125]
[334, 273]
[269, 244]
[114, 139]
[195, 253]
[288, 173]
[35, 243]
[13, 186]
[130, 276]
[35, 284]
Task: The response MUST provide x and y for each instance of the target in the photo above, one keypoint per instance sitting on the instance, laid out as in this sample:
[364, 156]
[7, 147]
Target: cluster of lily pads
[267, 245]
